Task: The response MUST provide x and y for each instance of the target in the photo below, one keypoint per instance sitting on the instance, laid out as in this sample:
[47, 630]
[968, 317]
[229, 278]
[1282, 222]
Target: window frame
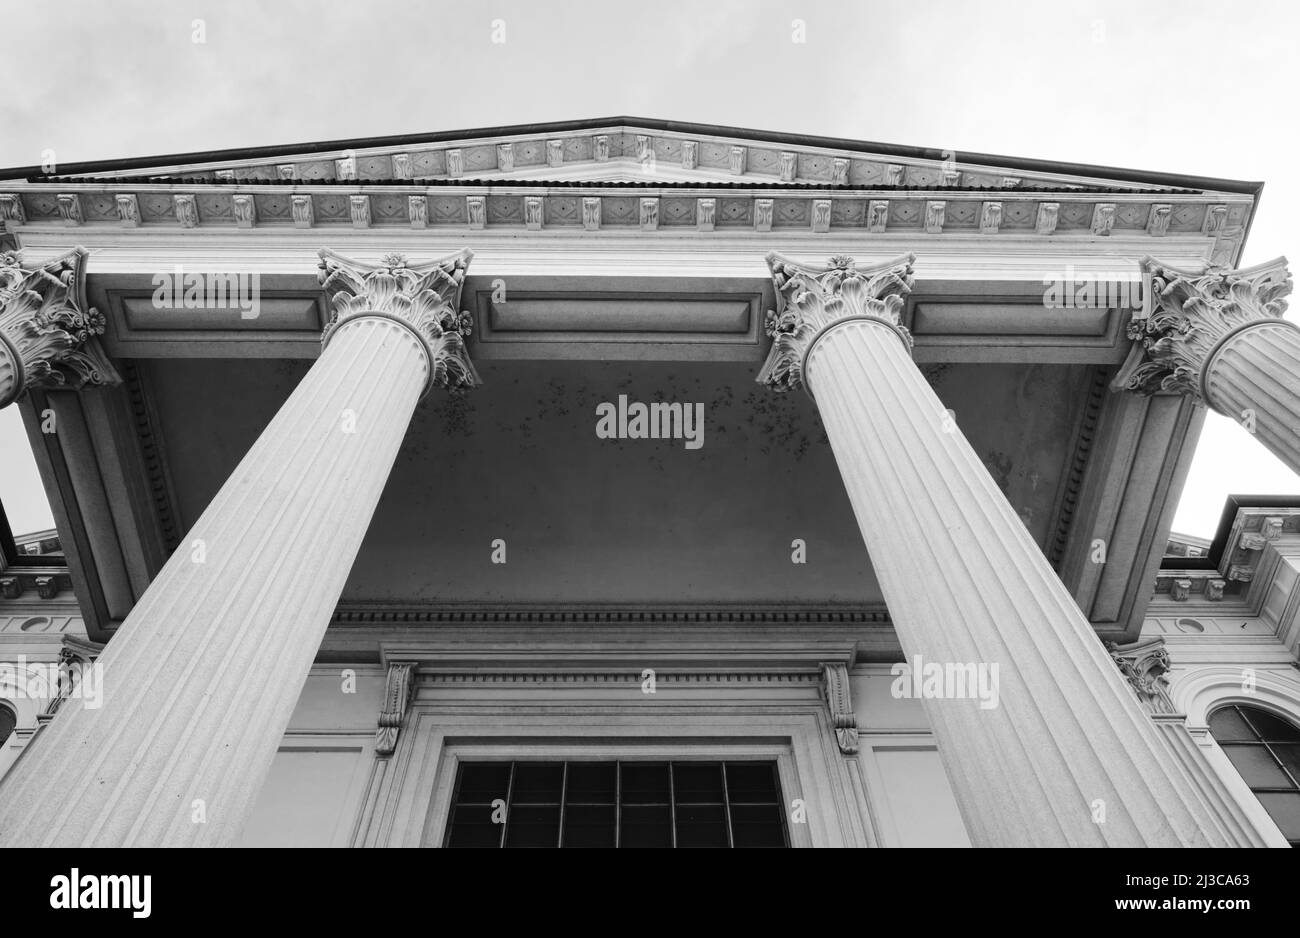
[618, 805]
[1260, 740]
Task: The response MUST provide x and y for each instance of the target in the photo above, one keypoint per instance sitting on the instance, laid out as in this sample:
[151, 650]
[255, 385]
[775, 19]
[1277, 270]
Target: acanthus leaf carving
[1186, 315]
[423, 297]
[48, 335]
[811, 300]
[1144, 665]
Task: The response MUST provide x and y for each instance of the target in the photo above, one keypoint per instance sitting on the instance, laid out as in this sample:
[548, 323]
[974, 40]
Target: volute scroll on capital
[422, 297]
[1188, 316]
[812, 300]
[49, 336]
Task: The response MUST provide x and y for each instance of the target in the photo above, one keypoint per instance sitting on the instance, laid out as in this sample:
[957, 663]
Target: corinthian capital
[1144, 665]
[422, 297]
[812, 300]
[47, 332]
[1187, 317]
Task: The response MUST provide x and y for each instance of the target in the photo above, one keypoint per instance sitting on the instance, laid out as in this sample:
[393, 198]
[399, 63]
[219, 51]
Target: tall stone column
[202, 677]
[48, 335]
[1066, 757]
[1218, 337]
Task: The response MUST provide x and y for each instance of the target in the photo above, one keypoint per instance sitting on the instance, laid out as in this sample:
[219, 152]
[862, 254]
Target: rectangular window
[616, 804]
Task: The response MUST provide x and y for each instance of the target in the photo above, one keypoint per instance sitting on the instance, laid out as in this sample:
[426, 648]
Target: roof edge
[863, 146]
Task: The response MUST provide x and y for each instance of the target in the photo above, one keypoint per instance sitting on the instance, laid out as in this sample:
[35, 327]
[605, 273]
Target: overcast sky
[1184, 87]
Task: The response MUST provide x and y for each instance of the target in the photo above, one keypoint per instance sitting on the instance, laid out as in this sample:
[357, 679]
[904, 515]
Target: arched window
[1265, 750]
[7, 723]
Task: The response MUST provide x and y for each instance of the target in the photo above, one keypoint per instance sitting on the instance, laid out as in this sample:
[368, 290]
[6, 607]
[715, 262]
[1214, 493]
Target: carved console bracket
[835, 688]
[397, 699]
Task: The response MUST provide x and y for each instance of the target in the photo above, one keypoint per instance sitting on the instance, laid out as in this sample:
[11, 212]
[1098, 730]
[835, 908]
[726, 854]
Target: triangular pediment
[621, 151]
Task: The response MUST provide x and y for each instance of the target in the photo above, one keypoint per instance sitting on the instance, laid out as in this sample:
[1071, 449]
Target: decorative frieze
[397, 700]
[128, 211]
[839, 172]
[1144, 664]
[417, 210]
[244, 210]
[690, 154]
[1215, 219]
[70, 209]
[649, 214]
[11, 209]
[893, 175]
[935, 213]
[705, 214]
[1158, 220]
[345, 169]
[48, 335]
[476, 211]
[360, 208]
[591, 213]
[599, 148]
[763, 214]
[821, 215]
[533, 212]
[304, 212]
[810, 300]
[455, 162]
[1103, 218]
[424, 297]
[990, 217]
[401, 165]
[287, 172]
[736, 161]
[644, 151]
[877, 215]
[835, 691]
[185, 209]
[1048, 213]
[506, 157]
[789, 166]
[554, 152]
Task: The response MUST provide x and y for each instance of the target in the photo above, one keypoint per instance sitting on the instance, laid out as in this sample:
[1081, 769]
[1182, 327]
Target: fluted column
[1066, 757]
[1218, 337]
[48, 335]
[202, 677]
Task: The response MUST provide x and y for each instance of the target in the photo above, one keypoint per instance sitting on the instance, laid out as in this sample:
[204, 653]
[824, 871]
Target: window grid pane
[571, 804]
[1265, 750]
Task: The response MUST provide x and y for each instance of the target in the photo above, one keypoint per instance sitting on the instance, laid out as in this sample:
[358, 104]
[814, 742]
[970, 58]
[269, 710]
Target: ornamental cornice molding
[587, 206]
[1144, 665]
[358, 612]
[48, 335]
[812, 300]
[642, 150]
[423, 297]
[1188, 315]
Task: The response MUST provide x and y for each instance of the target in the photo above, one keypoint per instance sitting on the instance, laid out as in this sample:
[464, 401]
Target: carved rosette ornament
[422, 297]
[1144, 665]
[48, 335]
[812, 300]
[1188, 317]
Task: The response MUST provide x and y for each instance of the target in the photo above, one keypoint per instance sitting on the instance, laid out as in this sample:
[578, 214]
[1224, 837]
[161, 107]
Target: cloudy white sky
[1188, 87]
